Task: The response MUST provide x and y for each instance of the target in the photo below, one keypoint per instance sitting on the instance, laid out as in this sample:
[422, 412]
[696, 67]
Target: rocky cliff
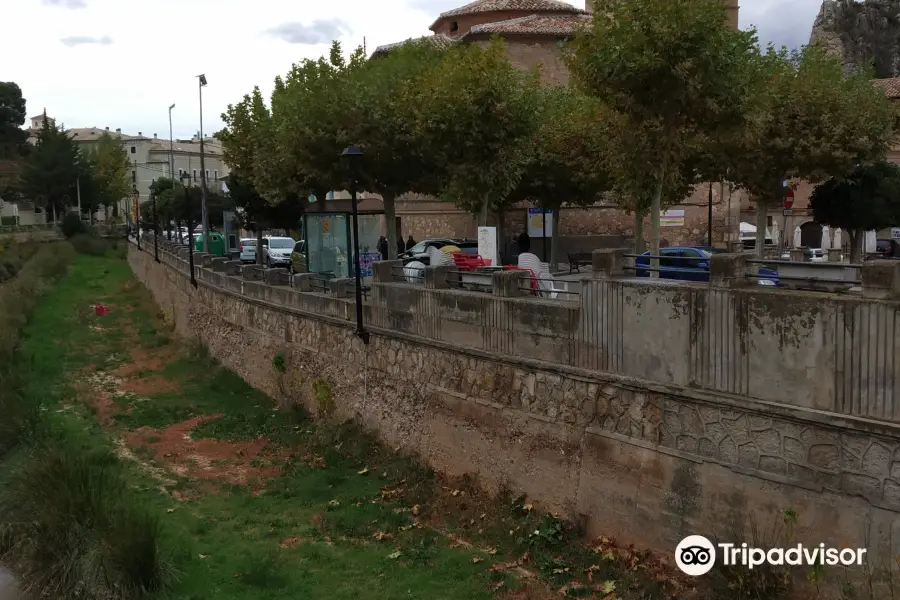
[864, 34]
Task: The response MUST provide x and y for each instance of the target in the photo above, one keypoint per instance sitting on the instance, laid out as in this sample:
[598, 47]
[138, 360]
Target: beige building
[153, 157]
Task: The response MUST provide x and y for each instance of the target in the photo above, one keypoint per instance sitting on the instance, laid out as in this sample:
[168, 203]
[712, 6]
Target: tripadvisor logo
[695, 555]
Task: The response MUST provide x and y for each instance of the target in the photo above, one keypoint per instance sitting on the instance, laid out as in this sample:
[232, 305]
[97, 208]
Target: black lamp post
[155, 223]
[709, 217]
[185, 177]
[137, 214]
[352, 156]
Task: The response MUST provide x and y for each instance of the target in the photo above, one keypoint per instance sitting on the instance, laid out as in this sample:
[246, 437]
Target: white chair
[541, 271]
[414, 272]
[437, 258]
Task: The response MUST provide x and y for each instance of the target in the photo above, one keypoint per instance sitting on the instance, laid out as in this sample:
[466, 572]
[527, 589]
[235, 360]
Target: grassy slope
[345, 519]
[238, 535]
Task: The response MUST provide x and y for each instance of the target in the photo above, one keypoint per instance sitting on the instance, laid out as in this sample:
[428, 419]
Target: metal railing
[549, 287]
[414, 275]
[472, 281]
[319, 284]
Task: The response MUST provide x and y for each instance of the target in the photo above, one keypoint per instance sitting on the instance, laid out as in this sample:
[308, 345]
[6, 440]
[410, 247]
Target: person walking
[383, 247]
[410, 242]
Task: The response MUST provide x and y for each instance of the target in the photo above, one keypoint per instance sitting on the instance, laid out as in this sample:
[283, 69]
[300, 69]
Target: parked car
[814, 255]
[248, 250]
[887, 248]
[298, 257]
[277, 251]
[690, 263]
[419, 252]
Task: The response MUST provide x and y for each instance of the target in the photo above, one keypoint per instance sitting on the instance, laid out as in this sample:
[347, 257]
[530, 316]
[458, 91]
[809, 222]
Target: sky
[121, 63]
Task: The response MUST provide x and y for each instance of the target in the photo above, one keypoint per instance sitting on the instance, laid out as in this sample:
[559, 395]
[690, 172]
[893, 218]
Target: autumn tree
[397, 160]
[674, 68]
[810, 121]
[566, 155]
[52, 169]
[474, 111]
[867, 199]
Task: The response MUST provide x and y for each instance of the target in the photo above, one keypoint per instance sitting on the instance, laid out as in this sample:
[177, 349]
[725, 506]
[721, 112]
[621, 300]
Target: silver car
[248, 250]
[277, 251]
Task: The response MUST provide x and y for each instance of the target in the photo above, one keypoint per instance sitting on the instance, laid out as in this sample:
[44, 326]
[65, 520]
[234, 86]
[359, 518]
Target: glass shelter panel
[328, 243]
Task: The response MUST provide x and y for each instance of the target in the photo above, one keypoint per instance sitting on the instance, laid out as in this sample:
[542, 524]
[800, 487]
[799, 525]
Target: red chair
[467, 262]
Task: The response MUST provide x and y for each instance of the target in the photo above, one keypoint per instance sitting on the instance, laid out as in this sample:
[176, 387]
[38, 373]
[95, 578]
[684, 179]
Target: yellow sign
[325, 226]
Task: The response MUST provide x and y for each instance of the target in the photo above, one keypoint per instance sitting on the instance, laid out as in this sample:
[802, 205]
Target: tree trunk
[638, 232]
[654, 223]
[483, 213]
[761, 215]
[390, 222]
[857, 237]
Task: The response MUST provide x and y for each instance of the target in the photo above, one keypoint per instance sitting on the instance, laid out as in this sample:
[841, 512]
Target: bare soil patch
[205, 459]
[148, 386]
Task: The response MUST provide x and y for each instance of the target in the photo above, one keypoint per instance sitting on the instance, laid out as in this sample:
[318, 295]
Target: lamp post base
[363, 335]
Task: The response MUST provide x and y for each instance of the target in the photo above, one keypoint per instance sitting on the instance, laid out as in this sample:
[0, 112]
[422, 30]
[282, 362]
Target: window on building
[454, 26]
[195, 174]
[134, 176]
[207, 174]
[133, 150]
[216, 175]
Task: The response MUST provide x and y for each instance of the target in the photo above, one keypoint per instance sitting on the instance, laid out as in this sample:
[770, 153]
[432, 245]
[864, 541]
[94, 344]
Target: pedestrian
[400, 247]
[383, 247]
[524, 242]
[410, 242]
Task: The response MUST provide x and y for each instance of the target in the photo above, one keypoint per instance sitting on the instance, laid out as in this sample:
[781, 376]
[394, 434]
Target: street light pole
[137, 209]
[155, 222]
[205, 220]
[186, 177]
[353, 155]
[171, 164]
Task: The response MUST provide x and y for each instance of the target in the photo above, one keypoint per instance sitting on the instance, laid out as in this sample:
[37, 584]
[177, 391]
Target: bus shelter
[329, 237]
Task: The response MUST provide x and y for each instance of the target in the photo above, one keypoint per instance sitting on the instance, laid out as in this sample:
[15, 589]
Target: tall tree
[396, 159]
[869, 198]
[109, 166]
[12, 116]
[473, 111]
[674, 68]
[567, 160]
[312, 119]
[52, 169]
[13, 139]
[810, 121]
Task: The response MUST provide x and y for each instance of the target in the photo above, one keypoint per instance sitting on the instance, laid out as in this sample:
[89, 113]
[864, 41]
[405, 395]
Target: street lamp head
[185, 178]
[351, 152]
[202, 79]
[171, 107]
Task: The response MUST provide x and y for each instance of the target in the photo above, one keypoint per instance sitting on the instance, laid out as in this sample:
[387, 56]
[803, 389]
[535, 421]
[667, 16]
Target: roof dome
[524, 7]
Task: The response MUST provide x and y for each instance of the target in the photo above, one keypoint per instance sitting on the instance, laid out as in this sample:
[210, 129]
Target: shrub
[85, 243]
[72, 225]
[81, 537]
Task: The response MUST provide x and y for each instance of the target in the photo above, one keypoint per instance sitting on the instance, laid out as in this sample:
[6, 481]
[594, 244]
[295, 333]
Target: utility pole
[171, 165]
[78, 192]
[203, 215]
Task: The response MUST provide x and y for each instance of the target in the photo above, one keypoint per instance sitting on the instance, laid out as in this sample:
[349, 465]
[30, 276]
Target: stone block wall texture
[634, 410]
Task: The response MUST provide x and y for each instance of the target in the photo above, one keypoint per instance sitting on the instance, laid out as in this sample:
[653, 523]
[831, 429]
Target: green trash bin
[217, 246]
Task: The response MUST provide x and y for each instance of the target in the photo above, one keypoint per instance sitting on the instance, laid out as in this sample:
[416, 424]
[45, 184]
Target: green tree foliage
[474, 111]
[12, 116]
[109, 167]
[567, 158]
[674, 68]
[312, 118]
[52, 169]
[397, 160]
[13, 139]
[869, 198]
[809, 121]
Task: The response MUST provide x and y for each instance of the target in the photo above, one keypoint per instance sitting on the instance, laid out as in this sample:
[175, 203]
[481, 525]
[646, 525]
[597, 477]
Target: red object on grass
[101, 310]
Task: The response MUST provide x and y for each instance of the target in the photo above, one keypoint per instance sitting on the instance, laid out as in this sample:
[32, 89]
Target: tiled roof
[890, 86]
[438, 39]
[552, 25]
[532, 6]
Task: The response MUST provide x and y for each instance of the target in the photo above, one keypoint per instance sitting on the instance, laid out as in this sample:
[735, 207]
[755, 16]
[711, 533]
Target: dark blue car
[690, 263]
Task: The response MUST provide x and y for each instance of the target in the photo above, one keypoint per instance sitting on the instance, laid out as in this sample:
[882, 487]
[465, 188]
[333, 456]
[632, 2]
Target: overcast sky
[121, 63]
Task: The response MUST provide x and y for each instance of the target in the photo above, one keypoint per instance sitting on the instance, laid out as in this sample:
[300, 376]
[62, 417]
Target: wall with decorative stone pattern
[644, 461]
